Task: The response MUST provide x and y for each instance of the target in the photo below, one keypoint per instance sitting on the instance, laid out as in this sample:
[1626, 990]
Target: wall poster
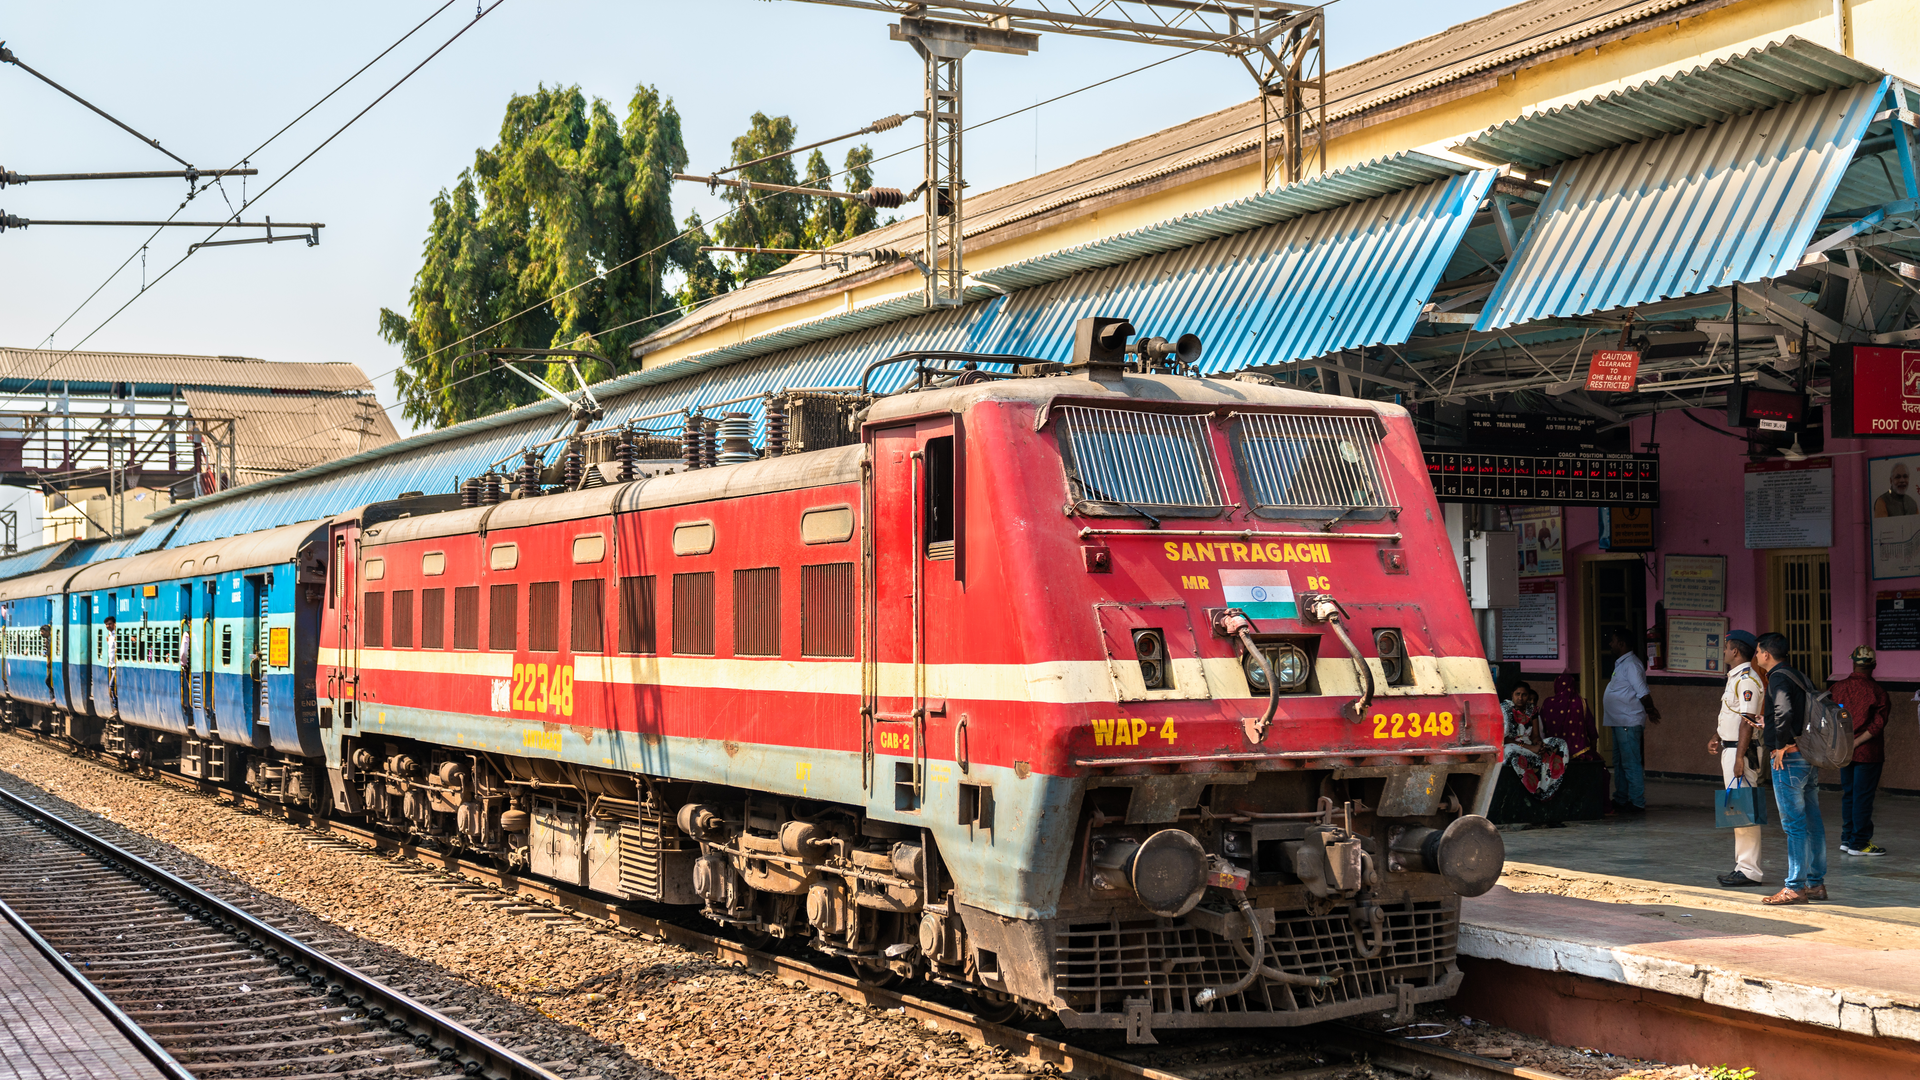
[1541, 533]
[1896, 621]
[1693, 645]
[1695, 583]
[1894, 527]
[1789, 503]
[1531, 629]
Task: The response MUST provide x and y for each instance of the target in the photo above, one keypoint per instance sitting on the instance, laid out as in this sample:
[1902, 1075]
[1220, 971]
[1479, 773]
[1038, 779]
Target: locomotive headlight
[1392, 650]
[1151, 647]
[1289, 665]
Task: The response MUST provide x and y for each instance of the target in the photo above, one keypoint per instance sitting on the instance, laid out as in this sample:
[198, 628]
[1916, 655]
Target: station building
[1725, 189]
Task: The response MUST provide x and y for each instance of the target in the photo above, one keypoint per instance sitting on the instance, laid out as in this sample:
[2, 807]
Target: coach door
[915, 565]
[89, 647]
[343, 616]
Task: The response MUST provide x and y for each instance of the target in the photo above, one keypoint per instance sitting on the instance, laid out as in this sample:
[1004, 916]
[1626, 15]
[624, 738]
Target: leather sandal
[1818, 892]
[1785, 896]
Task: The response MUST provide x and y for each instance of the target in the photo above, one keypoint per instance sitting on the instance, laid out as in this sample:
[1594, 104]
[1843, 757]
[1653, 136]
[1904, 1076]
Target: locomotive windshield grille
[1117, 459]
[1313, 462]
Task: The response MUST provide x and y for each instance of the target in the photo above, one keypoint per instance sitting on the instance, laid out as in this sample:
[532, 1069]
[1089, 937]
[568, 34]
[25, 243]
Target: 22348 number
[1411, 725]
[542, 688]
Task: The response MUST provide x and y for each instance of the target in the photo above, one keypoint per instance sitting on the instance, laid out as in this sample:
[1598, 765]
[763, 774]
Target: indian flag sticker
[1262, 594]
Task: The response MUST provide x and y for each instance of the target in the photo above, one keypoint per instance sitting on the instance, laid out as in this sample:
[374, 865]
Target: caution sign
[277, 646]
[1614, 370]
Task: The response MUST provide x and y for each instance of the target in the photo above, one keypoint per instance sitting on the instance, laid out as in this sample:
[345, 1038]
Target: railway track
[1333, 1050]
[219, 993]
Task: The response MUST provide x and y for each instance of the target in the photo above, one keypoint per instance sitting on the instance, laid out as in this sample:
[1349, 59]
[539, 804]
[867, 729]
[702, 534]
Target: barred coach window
[503, 618]
[433, 618]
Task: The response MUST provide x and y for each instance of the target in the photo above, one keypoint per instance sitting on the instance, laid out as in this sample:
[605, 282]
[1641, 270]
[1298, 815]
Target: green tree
[567, 195]
[759, 218]
[705, 276]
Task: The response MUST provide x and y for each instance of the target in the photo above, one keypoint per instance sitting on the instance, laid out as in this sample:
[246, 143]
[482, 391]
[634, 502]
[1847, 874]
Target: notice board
[1695, 583]
[1693, 645]
[1790, 503]
[1896, 621]
[1530, 630]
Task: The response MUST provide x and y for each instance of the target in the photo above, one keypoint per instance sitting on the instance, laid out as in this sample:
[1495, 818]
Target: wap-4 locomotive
[1141, 699]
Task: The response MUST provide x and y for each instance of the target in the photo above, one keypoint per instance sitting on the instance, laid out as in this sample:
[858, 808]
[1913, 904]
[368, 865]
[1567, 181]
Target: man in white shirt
[1739, 725]
[1628, 706]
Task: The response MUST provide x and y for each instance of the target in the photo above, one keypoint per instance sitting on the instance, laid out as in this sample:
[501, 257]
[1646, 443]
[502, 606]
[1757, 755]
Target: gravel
[587, 1001]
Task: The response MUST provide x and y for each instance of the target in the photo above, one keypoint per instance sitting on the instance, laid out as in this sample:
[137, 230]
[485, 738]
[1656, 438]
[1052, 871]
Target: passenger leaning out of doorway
[1736, 742]
[1867, 701]
[1628, 706]
[1796, 784]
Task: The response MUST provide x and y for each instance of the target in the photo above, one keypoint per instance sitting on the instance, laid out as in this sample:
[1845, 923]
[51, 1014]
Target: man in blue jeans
[1796, 784]
[1628, 706]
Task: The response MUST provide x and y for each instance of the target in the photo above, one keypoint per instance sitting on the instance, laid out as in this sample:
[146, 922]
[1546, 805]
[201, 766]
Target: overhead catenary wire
[7, 57]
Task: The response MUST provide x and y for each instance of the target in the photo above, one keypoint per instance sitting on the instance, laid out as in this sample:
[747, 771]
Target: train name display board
[1876, 392]
[1566, 479]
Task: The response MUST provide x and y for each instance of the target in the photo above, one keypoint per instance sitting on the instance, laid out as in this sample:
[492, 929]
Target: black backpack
[1826, 742]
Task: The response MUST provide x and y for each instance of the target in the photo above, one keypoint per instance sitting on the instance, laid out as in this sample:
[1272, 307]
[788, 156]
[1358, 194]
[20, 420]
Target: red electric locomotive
[1142, 699]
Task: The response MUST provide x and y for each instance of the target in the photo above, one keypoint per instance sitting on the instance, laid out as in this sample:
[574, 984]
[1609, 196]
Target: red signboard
[1876, 392]
[1614, 370]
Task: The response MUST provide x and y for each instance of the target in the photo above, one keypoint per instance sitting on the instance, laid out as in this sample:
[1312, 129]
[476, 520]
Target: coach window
[637, 615]
[590, 548]
[833, 525]
[433, 618]
[940, 508]
[503, 618]
[374, 569]
[373, 619]
[433, 563]
[589, 633]
[339, 570]
[543, 616]
[466, 617]
[693, 538]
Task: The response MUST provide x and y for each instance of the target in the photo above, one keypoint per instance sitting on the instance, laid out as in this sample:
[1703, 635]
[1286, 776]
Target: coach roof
[270, 547]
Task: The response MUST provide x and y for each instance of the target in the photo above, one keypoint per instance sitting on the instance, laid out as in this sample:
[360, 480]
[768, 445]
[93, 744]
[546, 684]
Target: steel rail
[446, 1033]
[137, 1035]
[1401, 1055]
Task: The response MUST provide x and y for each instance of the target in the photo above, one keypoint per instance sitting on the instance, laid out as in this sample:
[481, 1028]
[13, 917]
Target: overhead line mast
[1281, 45]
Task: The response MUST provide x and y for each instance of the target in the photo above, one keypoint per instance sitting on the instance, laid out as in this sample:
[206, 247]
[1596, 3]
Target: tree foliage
[557, 208]
[760, 219]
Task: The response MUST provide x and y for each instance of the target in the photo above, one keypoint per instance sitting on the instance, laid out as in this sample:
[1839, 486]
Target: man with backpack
[1796, 781]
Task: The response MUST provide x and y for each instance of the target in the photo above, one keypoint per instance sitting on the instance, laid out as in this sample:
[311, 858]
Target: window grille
[693, 614]
[466, 617]
[1313, 462]
[827, 624]
[756, 612]
[1127, 458]
[636, 614]
[433, 618]
[373, 619]
[589, 618]
[401, 622]
[543, 616]
[503, 618]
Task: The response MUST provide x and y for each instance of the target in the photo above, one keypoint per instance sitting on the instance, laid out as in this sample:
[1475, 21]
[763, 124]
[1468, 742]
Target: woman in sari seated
[1538, 761]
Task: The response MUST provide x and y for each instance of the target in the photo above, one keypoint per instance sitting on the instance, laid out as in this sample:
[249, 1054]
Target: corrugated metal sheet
[280, 433]
[1505, 37]
[1341, 278]
[1763, 78]
[1686, 213]
[35, 370]
[35, 560]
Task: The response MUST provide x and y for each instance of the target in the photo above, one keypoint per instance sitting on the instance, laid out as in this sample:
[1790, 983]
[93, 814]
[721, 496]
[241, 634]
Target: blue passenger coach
[182, 651]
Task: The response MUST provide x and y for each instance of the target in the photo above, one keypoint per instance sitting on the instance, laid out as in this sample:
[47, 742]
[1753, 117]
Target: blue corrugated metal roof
[1763, 78]
[1732, 202]
[34, 560]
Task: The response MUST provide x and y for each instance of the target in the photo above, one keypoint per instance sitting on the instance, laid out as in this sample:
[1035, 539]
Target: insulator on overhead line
[887, 123]
[776, 427]
[623, 453]
[736, 438]
[573, 466]
[883, 198]
[690, 440]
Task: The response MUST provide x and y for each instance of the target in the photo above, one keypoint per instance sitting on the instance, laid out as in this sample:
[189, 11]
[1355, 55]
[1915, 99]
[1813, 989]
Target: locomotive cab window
[1320, 464]
[940, 504]
[1128, 463]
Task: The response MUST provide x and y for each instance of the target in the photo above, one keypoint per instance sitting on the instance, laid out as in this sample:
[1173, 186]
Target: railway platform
[49, 1030]
[1614, 934]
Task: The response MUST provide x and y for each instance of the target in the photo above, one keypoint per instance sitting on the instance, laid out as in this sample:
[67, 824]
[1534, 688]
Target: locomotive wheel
[995, 1012]
[878, 975]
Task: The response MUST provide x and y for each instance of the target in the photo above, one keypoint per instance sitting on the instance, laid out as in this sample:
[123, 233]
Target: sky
[212, 81]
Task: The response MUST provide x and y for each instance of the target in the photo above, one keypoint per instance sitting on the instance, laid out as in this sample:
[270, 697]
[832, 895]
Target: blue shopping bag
[1738, 806]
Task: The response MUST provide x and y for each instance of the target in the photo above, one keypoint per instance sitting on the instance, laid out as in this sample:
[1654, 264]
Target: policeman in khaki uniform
[1739, 725]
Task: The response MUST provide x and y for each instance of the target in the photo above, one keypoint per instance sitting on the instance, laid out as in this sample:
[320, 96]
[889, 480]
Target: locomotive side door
[915, 568]
[342, 618]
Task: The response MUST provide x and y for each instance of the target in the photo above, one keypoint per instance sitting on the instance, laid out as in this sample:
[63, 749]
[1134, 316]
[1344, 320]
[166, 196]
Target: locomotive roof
[246, 551]
[1142, 389]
